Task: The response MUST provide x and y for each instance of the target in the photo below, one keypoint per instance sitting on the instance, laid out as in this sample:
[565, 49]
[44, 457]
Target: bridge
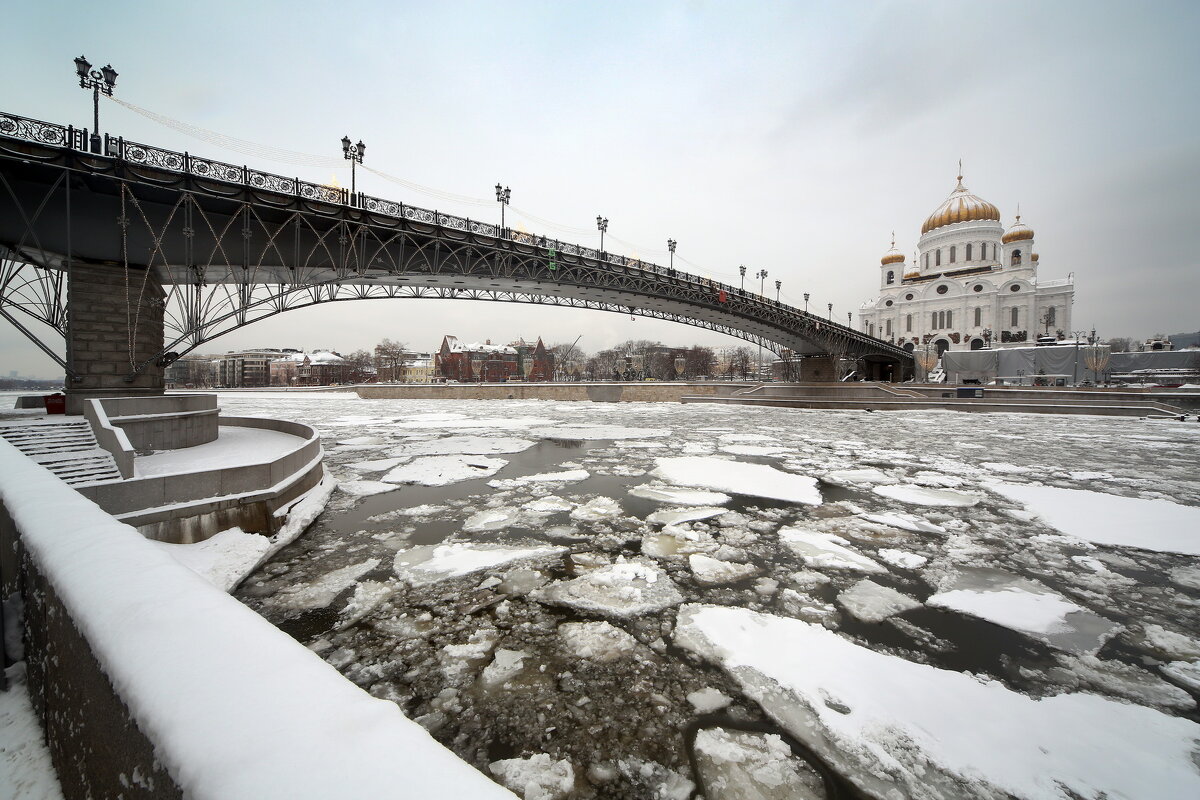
[136, 255]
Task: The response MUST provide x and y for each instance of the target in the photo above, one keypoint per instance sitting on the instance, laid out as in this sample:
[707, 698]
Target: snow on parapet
[155, 626]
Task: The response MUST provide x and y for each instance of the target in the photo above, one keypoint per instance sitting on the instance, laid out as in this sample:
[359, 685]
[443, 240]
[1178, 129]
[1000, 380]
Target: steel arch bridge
[210, 247]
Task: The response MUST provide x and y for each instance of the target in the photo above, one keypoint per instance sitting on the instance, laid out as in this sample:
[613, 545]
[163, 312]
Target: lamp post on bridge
[602, 226]
[354, 154]
[830, 307]
[502, 197]
[762, 281]
[671, 246]
[742, 272]
[777, 285]
[849, 319]
[806, 302]
[101, 80]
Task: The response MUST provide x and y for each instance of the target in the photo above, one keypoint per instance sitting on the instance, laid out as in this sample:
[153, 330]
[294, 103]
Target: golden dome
[960, 206]
[1018, 232]
[892, 256]
[1034, 257]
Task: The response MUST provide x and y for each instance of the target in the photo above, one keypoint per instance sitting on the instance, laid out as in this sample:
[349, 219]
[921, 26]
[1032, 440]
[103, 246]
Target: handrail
[137, 153]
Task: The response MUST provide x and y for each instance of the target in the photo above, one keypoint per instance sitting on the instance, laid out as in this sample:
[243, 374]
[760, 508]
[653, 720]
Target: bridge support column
[104, 317]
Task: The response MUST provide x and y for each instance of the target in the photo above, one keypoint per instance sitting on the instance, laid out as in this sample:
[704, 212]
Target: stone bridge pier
[114, 324]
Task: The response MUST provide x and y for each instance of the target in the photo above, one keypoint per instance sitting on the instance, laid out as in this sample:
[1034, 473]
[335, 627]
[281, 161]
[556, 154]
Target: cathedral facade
[973, 285]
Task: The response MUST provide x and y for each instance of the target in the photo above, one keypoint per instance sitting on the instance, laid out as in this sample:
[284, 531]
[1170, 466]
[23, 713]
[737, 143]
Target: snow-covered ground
[934, 603]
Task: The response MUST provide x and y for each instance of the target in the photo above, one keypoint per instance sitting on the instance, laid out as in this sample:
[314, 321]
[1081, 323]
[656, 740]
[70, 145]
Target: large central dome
[961, 206]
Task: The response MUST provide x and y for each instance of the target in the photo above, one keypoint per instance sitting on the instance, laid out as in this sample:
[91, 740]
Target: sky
[791, 137]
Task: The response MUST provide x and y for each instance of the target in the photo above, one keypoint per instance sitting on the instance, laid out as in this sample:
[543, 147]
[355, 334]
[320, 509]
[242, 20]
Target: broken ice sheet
[597, 641]
[867, 601]
[443, 470]
[737, 765]
[925, 496]
[675, 516]
[755, 480]
[623, 589]
[902, 729]
[826, 551]
[907, 522]
[858, 477]
[1026, 606]
[538, 777]
[462, 445]
[679, 496]
[320, 592]
[427, 564]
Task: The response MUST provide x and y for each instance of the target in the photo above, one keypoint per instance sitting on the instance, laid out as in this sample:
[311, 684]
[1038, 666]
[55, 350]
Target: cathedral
[973, 285]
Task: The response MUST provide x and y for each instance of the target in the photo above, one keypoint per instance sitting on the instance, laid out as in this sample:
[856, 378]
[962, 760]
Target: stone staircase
[66, 448]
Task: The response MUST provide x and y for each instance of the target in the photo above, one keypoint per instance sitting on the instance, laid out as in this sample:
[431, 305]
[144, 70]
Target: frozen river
[651, 600]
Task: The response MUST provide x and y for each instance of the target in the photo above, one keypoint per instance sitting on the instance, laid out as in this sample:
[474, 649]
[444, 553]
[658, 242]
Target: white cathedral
[974, 285]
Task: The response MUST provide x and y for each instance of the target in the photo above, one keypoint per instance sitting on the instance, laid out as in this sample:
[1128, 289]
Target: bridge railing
[137, 153]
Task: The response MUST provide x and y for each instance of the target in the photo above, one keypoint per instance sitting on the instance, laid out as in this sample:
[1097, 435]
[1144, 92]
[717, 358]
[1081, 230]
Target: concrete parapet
[163, 422]
[646, 392]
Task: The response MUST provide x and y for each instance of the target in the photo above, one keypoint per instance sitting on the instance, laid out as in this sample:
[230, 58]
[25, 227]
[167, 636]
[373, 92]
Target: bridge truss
[231, 246]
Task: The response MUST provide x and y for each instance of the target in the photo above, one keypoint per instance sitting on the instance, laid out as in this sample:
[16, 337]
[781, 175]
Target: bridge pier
[113, 324]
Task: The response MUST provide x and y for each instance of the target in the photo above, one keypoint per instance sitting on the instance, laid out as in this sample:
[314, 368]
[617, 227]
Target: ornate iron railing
[136, 153]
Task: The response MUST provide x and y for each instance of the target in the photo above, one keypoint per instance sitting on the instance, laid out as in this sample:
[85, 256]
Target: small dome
[960, 206]
[1034, 257]
[892, 256]
[1018, 232]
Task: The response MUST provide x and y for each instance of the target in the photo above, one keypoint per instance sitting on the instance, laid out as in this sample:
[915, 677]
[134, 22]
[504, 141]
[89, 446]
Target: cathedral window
[978, 316]
[925, 258]
[949, 319]
[933, 321]
[1014, 317]
[891, 277]
[889, 327]
[937, 257]
[1050, 314]
[1016, 258]
[908, 323]
[968, 252]
[943, 289]
[953, 251]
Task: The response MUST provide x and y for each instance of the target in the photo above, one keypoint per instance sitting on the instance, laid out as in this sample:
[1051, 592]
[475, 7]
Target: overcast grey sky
[787, 136]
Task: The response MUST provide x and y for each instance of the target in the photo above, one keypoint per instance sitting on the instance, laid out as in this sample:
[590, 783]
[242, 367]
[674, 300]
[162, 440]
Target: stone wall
[102, 312]
[647, 392]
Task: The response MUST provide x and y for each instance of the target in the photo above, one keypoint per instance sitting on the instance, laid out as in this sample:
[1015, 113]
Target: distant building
[319, 368]
[475, 363]
[419, 370]
[535, 361]
[247, 368]
[393, 368]
[973, 286]
[190, 372]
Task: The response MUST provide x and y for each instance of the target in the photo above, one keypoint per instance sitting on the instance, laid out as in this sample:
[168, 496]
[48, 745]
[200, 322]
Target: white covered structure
[973, 284]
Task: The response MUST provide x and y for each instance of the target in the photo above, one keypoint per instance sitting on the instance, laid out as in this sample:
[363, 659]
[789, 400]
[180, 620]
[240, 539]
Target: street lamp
[602, 226]
[502, 197]
[102, 80]
[762, 280]
[354, 154]
[742, 272]
[830, 312]
[671, 246]
[777, 285]
[806, 302]
[849, 319]
[1075, 373]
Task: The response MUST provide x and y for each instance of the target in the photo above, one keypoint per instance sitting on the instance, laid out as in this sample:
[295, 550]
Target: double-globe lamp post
[777, 285]
[671, 246]
[503, 196]
[602, 226]
[102, 80]
[762, 281]
[806, 296]
[354, 154]
[742, 272]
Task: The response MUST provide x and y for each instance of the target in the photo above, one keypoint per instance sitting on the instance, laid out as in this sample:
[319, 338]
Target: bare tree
[698, 361]
[360, 367]
[390, 359]
[1120, 344]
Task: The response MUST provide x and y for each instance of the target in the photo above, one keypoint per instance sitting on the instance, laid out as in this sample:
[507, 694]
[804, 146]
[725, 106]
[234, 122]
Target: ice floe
[708, 700]
[538, 777]
[925, 496]
[736, 477]
[377, 465]
[826, 551]
[867, 601]
[1026, 606]
[738, 765]
[908, 522]
[565, 476]
[596, 509]
[675, 516]
[320, 592]
[492, 519]
[551, 504]
[443, 470]
[710, 571]
[858, 477]
[623, 589]
[366, 488]
[597, 641]
[585, 432]
[679, 496]
[899, 558]
[1110, 519]
[900, 728]
[462, 445]
[426, 564]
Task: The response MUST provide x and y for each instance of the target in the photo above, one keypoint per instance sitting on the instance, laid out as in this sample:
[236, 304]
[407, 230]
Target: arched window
[937, 257]
[872, 330]
[888, 328]
[949, 319]
[908, 323]
[933, 322]
[1016, 258]
[968, 252]
[1050, 315]
[953, 250]
[978, 316]
[891, 277]
[925, 258]
[1013, 324]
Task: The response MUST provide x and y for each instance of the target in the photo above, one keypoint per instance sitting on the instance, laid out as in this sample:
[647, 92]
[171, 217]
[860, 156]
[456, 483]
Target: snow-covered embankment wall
[151, 683]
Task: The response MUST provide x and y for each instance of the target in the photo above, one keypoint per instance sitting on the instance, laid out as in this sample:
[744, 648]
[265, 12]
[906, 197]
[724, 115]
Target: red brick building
[475, 363]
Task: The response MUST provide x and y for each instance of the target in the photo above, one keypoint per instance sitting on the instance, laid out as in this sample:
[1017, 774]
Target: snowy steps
[67, 449]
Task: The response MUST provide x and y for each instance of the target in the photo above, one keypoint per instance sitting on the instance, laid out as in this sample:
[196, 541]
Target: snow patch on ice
[427, 564]
[867, 601]
[623, 589]
[678, 496]
[222, 560]
[443, 470]
[537, 777]
[755, 480]
[924, 496]
[826, 551]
